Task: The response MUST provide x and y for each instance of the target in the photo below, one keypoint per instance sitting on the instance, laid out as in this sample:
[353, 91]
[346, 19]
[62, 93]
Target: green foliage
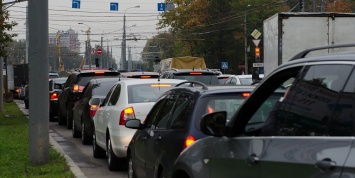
[5, 26]
[14, 157]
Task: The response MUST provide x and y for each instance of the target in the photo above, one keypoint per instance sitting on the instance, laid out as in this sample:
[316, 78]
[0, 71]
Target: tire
[131, 172]
[74, 130]
[61, 119]
[97, 151]
[69, 119]
[113, 161]
[85, 138]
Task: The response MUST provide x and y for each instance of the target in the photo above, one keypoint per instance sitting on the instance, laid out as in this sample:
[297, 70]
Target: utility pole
[38, 77]
[245, 41]
[101, 53]
[60, 62]
[123, 58]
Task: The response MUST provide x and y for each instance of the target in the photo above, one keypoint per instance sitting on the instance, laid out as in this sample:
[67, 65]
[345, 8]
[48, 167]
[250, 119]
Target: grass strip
[14, 149]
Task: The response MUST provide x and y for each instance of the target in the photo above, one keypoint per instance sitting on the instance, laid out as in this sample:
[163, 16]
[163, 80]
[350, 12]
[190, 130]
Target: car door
[154, 145]
[140, 138]
[100, 118]
[64, 95]
[305, 136]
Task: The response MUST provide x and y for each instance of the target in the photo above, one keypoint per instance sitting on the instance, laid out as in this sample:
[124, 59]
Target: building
[68, 39]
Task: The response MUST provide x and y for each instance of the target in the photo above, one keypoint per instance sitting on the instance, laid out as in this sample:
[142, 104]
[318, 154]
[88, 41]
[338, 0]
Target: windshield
[147, 92]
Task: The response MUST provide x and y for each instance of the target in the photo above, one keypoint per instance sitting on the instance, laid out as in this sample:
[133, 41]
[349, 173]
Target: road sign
[258, 64]
[256, 34]
[256, 42]
[224, 65]
[99, 51]
[76, 4]
[161, 6]
[114, 6]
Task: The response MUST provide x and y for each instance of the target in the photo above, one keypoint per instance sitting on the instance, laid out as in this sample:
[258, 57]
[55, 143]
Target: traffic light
[97, 62]
[257, 54]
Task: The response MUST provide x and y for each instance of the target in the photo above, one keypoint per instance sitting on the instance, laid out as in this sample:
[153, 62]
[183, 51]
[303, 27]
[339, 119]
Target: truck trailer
[286, 34]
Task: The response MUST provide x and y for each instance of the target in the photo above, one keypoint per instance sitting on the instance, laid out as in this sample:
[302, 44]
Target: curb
[73, 167]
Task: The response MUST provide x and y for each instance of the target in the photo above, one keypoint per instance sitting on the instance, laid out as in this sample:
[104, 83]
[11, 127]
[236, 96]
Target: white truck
[287, 34]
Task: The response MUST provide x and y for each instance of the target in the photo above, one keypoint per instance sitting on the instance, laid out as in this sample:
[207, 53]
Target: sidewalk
[73, 167]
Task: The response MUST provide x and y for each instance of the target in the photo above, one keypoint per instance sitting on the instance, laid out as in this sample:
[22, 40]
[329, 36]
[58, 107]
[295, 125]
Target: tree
[5, 26]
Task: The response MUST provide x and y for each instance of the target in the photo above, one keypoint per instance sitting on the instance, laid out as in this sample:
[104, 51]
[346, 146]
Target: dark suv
[204, 76]
[308, 133]
[72, 90]
[173, 124]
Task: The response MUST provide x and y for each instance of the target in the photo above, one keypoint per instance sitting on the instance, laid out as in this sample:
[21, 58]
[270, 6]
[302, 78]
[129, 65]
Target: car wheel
[61, 119]
[85, 138]
[112, 159]
[97, 151]
[74, 130]
[69, 119]
[131, 172]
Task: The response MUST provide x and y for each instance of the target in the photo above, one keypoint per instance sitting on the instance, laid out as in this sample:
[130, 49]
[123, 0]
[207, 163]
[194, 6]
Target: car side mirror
[214, 124]
[133, 124]
[95, 101]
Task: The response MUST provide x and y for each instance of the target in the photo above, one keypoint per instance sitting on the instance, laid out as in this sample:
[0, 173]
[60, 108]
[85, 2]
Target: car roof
[59, 79]
[100, 80]
[94, 70]
[156, 80]
[188, 70]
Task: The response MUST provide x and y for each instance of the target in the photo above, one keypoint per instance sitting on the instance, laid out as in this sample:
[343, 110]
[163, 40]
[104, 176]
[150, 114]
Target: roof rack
[204, 86]
[304, 53]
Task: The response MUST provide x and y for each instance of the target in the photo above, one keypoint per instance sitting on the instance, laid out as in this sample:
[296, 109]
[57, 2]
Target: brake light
[127, 114]
[17, 90]
[77, 88]
[160, 85]
[246, 94]
[195, 73]
[93, 109]
[210, 109]
[189, 140]
[99, 73]
[54, 96]
[145, 76]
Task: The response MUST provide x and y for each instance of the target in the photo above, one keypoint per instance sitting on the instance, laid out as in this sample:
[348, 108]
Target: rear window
[103, 88]
[246, 81]
[207, 79]
[147, 92]
[222, 80]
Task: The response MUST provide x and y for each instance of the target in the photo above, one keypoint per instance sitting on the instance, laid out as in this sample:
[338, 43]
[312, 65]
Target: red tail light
[246, 94]
[195, 73]
[189, 140]
[54, 96]
[145, 76]
[127, 114]
[93, 109]
[77, 88]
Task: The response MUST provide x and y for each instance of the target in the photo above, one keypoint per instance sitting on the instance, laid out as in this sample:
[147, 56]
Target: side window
[86, 89]
[310, 106]
[165, 114]
[227, 82]
[115, 95]
[69, 80]
[154, 112]
[108, 96]
[180, 116]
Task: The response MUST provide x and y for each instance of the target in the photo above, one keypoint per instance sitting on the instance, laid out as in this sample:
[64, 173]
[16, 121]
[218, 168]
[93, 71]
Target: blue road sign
[76, 4]
[161, 6]
[224, 65]
[114, 6]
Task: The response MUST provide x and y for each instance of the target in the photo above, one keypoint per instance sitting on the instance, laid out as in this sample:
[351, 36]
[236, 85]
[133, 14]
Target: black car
[309, 132]
[173, 124]
[72, 90]
[84, 111]
[204, 76]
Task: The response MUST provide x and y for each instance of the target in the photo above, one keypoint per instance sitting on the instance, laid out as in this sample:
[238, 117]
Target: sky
[140, 22]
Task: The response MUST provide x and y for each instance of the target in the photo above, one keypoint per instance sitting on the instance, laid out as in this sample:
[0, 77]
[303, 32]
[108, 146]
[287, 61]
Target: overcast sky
[96, 14]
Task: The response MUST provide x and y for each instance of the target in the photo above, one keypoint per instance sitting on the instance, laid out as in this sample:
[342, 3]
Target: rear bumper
[53, 108]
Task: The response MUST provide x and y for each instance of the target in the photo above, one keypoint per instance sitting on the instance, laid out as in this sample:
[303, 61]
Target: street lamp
[123, 53]
[246, 40]
[87, 45]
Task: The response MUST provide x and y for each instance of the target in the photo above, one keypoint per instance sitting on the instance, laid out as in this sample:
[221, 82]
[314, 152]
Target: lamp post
[87, 46]
[123, 53]
[245, 40]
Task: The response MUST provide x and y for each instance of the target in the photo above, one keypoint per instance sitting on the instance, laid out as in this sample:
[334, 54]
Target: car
[204, 76]
[84, 109]
[53, 75]
[172, 124]
[126, 100]
[309, 131]
[141, 75]
[72, 89]
[241, 79]
[223, 78]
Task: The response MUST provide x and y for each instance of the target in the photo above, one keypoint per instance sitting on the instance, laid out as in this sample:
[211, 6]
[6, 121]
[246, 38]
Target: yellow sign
[256, 34]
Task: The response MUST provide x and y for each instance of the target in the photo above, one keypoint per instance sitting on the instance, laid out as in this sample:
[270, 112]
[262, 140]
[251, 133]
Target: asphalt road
[79, 154]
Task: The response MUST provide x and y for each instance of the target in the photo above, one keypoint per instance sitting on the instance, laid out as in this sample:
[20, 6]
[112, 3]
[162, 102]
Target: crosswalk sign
[224, 65]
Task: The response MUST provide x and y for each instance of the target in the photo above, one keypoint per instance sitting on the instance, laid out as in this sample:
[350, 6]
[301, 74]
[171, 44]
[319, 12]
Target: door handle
[253, 159]
[325, 164]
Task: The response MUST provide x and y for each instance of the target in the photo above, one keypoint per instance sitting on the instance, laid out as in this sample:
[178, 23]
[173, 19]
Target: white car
[241, 79]
[126, 100]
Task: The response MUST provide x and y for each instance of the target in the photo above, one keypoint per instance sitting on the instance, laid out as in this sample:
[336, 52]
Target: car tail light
[127, 114]
[99, 73]
[195, 73]
[54, 96]
[77, 88]
[160, 85]
[210, 109]
[145, 76]
[189, 140]
[246, 94]
[93, 109]
[17, 90]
